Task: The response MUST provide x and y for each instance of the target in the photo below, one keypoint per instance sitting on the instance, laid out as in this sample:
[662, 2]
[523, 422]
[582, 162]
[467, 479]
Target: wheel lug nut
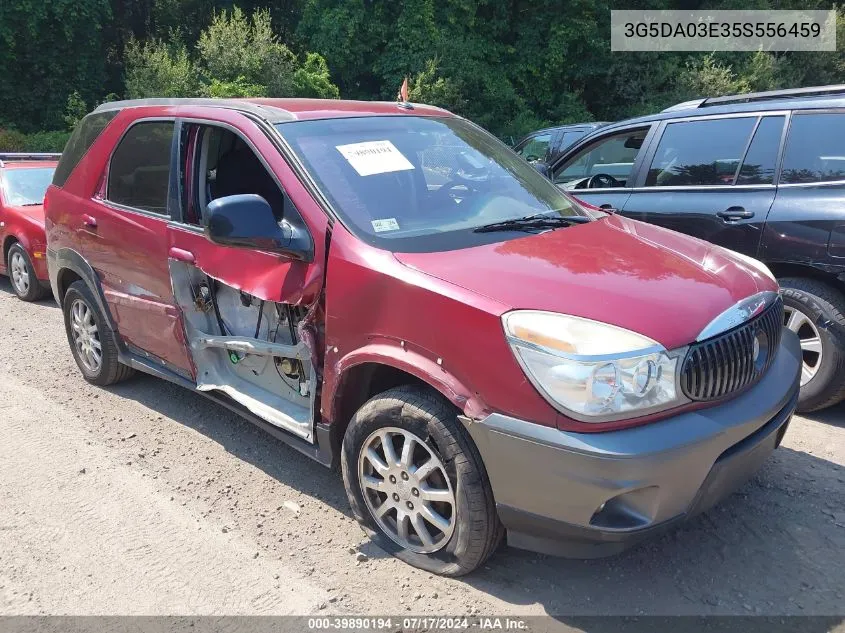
[410, 506]
[415, 492]
[392, 479]
[395, 497]
[405, 476]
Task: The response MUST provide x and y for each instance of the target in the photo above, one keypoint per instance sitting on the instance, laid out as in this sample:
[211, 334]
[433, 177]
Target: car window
[815, 149]
[536, 148]
[225, 165]
[420, 184]
[568, 139]
[82, 138]
[758, 168]
[26, 187]
[139, 173]
[700, 152]
[612, 156]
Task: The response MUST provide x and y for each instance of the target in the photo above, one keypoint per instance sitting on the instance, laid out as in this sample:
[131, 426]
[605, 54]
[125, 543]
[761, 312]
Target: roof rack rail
[811, 91]
[750, 97]
[8, 157]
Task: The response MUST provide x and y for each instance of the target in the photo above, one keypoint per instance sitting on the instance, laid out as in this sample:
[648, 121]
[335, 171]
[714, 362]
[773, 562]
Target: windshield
[23, 187]
[418, 184]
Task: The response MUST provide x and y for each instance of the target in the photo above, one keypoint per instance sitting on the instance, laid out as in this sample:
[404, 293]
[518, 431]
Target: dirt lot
[147, 499]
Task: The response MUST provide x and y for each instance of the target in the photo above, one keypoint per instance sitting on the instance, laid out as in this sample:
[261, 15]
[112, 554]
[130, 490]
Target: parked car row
[762, 174]
[389, 289]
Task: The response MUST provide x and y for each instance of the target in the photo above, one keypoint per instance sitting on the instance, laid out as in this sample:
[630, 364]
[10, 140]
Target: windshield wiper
[531, 222]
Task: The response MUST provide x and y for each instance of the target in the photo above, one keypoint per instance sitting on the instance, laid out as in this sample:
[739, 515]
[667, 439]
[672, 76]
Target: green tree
[159, 69]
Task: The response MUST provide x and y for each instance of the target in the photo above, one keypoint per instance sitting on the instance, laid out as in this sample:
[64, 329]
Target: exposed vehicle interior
[243, 346]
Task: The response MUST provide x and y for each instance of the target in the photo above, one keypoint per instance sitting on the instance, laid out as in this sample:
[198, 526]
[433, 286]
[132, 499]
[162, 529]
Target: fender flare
[411, 361]
[69, 259]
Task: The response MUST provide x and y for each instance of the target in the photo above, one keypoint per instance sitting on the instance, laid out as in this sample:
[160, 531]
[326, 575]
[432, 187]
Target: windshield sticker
[387, 224]
[374, 157]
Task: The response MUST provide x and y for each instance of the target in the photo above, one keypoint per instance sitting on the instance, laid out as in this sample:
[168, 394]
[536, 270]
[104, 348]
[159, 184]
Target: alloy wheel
[19, 273]
[86, 336]
[406, 489]
[811, 343]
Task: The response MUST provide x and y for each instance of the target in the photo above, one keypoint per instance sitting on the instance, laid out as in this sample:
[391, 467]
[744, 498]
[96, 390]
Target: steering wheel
[598, 181]
[451, 190]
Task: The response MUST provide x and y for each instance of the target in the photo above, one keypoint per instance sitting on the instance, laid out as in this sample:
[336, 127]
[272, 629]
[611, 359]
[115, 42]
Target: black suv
[544, 146]
[762, 174]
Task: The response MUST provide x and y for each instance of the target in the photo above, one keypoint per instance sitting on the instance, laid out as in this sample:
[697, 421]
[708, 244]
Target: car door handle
[181, 255]
[735, 213]
[89, 221]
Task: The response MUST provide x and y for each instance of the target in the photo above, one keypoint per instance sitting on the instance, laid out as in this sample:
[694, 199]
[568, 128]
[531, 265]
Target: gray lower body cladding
[594, 494]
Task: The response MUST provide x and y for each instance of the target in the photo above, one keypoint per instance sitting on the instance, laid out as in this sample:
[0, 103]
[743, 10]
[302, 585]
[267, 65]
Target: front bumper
[586, 495]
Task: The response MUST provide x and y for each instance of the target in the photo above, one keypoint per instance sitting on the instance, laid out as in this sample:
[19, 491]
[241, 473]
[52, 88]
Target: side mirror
[542, 167]
[247, 221]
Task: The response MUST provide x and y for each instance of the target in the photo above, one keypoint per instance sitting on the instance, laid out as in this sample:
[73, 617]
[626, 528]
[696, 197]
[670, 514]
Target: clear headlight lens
[593, 371]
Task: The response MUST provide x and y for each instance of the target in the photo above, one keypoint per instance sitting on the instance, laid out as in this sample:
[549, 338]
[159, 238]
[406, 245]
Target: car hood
[641, 277]
[34, 212]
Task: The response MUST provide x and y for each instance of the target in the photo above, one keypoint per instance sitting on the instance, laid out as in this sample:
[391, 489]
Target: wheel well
[362, 382]
[65, 279]
[809, 272]
[7, 244]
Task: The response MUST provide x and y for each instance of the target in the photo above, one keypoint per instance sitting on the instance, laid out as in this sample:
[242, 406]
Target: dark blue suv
[762, 174]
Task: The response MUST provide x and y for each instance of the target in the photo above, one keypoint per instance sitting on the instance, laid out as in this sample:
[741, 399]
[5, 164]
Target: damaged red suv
[389, 288]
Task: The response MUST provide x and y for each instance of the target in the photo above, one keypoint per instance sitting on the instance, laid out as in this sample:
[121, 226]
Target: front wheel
[416, 482]
[816, 313]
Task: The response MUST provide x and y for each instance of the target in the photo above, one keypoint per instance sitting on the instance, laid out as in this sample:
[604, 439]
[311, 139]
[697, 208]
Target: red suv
[23, 180]
[388, 287]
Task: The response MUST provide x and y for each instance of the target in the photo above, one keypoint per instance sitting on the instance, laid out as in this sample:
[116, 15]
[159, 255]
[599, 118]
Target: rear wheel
[91, 340]
[816, 313]
[416, 482]
[22, 274]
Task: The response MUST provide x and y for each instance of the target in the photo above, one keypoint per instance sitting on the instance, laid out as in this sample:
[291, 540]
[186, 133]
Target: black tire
[36, 291]
[111, 370]
[825, 307]
[429, 416]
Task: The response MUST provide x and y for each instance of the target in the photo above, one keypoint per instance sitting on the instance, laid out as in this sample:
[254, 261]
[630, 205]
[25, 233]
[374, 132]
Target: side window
[224, 165]
[139, 173]
[82, 138]
[815, 149]
[536, 148]
[758, 168]
[612, 156]
[568, 139]
[700, 152]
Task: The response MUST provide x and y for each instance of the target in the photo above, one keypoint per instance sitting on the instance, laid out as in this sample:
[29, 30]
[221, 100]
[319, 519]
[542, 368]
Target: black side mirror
[247, 221]
[542, 167]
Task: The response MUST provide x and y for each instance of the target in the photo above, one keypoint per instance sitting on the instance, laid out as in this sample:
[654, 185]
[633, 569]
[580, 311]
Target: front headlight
[592, 371]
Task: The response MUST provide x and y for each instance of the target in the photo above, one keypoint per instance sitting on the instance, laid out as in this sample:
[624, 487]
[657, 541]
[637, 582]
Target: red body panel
[638, 276]
[25, 225]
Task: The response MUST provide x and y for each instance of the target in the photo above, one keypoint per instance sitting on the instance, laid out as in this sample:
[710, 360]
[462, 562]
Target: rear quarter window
[815, 149]
[81, 140]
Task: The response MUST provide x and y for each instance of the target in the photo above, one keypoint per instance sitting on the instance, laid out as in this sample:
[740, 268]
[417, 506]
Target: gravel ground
[144, 498]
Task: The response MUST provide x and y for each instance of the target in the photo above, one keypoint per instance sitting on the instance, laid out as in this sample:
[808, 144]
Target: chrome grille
[726, 363]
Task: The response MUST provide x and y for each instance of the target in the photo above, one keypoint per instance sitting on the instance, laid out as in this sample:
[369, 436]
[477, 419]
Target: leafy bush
[44, 141]
[47, 141]
[12, 141]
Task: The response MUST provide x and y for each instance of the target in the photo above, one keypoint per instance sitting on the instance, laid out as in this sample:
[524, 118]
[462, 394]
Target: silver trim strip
[739, 313]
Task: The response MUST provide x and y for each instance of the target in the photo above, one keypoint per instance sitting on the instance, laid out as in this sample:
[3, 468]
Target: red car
[23, 180]
[389, 288]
